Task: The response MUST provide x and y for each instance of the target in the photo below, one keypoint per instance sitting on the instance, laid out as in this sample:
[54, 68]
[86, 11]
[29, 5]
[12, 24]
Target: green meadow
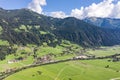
[104, 51]
[27, 52]
[72, 70]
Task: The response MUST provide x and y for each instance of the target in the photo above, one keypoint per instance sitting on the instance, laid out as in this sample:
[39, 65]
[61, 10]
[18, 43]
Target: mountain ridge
[23, 26]
[112, 23]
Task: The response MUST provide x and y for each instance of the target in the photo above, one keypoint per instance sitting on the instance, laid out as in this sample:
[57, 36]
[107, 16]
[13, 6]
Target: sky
[68, 8]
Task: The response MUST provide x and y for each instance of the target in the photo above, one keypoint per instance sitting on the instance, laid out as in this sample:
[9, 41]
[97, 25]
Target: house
[12, 61]
[80, 57]
[15, 60]
[44, 59]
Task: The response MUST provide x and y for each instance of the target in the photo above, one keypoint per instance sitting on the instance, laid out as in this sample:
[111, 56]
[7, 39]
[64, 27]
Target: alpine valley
[38, 47]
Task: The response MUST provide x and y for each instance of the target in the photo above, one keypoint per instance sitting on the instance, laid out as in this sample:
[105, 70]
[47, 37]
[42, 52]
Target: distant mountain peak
[111, 23]
[1, 8]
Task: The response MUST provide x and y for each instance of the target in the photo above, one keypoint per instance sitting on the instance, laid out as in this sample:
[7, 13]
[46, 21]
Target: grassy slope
[104, 51]
[73, 70]
[4, 64]
[1, 29]
[3, 42]
[42, 50]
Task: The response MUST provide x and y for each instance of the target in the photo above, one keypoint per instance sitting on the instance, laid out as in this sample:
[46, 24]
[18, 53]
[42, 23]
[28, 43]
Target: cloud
[116, 11]
[106, 8]
[58, 14]
[78, 13]
[36, 5]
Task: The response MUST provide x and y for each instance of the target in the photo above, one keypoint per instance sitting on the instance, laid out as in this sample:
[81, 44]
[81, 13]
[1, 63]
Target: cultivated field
[73, 70]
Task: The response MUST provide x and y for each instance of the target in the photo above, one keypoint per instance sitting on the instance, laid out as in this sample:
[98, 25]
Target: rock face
[24, 26]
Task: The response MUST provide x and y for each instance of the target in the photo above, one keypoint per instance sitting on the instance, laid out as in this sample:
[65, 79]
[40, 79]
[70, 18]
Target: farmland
[73, 70]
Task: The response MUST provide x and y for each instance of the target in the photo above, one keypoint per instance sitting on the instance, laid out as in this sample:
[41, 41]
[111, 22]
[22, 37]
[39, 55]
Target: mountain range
[103, 22]
[23, 26]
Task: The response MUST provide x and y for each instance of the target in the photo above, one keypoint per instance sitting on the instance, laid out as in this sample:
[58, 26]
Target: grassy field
[44, 50]
[1, 29]
[73, 70]
[41, 51]
[104, 51]
[3, 42]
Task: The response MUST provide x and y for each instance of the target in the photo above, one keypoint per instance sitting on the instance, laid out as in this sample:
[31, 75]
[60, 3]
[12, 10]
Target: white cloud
[116, 11]
[58, 14]
[78, 13]
[106, 8]
[36, 5]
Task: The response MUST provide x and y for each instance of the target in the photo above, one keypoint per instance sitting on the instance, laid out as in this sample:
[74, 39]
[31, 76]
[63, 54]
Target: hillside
[24, 27]
[86, 34]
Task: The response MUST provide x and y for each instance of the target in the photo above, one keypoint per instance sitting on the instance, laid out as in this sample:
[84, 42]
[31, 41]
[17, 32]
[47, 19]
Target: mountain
[104, 22]
[23, 26]
[86, 34]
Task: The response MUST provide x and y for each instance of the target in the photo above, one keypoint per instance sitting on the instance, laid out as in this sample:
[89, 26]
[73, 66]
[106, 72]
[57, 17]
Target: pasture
[72, 70]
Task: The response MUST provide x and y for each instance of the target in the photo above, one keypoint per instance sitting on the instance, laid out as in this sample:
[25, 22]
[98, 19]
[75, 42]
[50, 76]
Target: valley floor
[72, 70]
[99, 69]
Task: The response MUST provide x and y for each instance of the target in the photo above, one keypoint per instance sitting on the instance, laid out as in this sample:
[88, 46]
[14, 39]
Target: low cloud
[58, 14]
[36, 5]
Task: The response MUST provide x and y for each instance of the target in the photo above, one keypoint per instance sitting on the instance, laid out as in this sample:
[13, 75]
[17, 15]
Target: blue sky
[67, 5]
[64, 8]
[14, 4]
[52, 5]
